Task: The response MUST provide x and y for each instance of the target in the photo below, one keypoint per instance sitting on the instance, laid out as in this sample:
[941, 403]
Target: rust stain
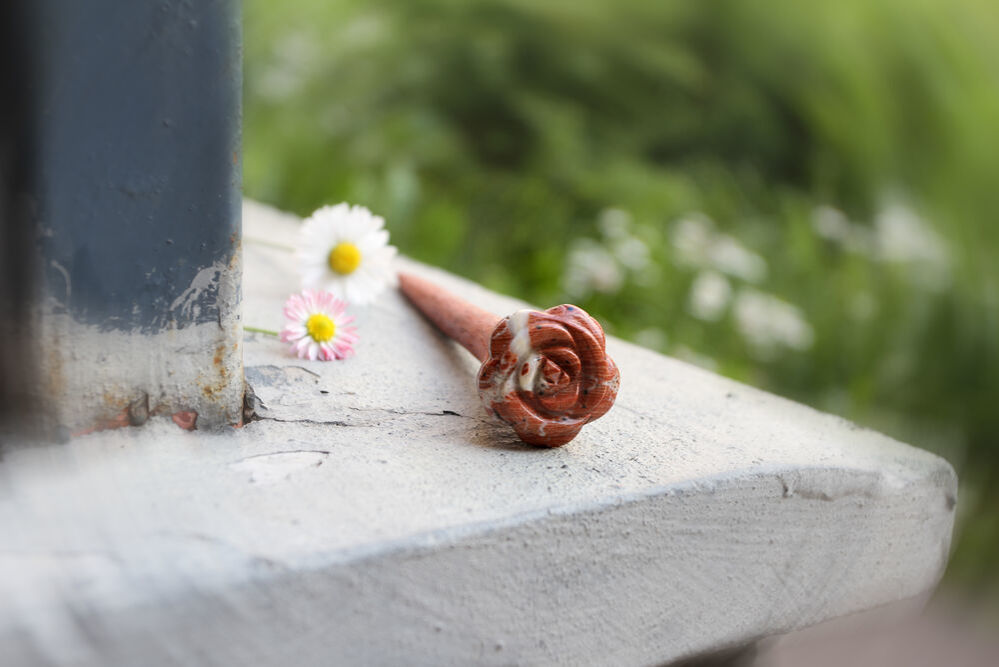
[112, 416]
[56, 385]
[216, 387]
[119, 420]
[186, 419]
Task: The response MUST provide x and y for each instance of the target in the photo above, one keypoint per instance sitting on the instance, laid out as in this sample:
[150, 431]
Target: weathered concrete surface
[376, 516]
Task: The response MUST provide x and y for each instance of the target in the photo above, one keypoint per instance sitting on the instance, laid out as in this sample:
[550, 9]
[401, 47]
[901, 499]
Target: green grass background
[494, 135]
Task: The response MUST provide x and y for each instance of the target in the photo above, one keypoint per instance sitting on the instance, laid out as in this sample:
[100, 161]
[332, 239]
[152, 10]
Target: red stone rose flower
[548, 374]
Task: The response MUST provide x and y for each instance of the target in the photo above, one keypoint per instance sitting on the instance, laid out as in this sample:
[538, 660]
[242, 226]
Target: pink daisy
[317, 326]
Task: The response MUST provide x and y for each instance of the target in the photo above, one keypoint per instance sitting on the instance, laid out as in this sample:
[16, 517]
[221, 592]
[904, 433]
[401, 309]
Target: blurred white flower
[709, 296]
[769, 323]
[595, 267]
[902, 236]
[591, 268]
[692, 237]
[832, 224]
[731, 257]
[632, 252]
[899, 236]
[614, 223]
[697, 244]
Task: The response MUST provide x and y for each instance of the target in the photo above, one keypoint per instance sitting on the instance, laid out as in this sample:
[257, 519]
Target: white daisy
[317, 326]
[344, 249]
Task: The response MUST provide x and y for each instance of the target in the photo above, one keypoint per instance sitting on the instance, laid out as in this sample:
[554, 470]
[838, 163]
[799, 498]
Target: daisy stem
[261, 331]
[272, 244]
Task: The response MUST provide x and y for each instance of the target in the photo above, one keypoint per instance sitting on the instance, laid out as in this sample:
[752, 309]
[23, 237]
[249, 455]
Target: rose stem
[463, 321]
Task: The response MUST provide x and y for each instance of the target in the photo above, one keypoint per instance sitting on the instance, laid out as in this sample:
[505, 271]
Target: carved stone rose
[548, 374]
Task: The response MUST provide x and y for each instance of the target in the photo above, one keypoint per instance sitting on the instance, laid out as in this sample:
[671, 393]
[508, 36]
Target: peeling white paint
[65, 275]
[206, 279]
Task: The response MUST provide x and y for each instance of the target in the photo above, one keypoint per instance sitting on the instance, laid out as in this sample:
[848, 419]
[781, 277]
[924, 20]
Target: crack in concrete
[442, 413]
[284, 451]
[371, 424]
[317, 422]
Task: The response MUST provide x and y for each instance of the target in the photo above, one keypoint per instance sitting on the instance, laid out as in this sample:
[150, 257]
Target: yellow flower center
[345, 258]
[320, 327]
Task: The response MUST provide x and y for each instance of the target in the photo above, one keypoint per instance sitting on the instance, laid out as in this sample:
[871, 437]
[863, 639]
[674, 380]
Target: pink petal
[298, 352]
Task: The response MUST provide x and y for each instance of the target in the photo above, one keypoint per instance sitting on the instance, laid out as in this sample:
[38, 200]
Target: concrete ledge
[376, 515]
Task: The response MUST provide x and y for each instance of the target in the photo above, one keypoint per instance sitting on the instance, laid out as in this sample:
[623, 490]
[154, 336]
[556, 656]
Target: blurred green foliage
[799, 195]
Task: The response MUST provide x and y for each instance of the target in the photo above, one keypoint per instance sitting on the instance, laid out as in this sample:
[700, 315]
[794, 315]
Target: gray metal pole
[137, 210]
